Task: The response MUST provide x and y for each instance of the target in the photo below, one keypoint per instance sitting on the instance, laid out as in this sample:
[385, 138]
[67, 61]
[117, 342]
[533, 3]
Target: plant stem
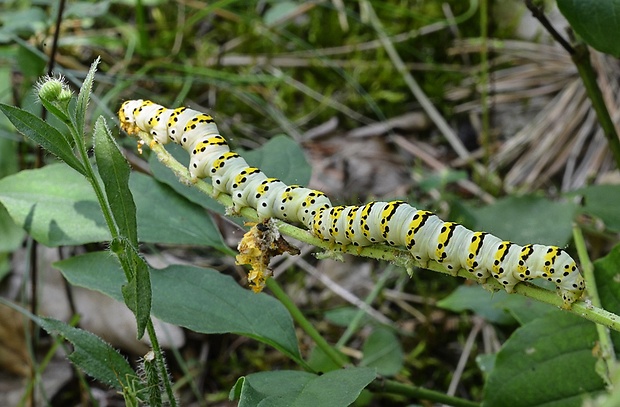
[539, 14]
[580, 55]
[391, 386]
[581, 58]
[94, 181]
[607, 348]
[356, 320]
[484, 82]
[161, 363]
[304, 324]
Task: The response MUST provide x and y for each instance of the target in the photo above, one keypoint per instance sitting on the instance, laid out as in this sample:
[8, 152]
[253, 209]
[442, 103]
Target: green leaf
[530, 219]
[59, 113]
[484, 303]
[608, 286]
[320, 361]
[12, 235]
[486, 362]
[84, 96]
[281, 158]
[95, 357]
[382, 350]
[343, 316]
[597, 22]
[525, 309]
[28, 58]
[547, 362]
[301, 389]
[601, 201]
[57, 207]
[114, 170]
[8, 153]
[137, 292]
[166, 217]
[499, 307]
[439, 180]
[202, 300]
[43, 134]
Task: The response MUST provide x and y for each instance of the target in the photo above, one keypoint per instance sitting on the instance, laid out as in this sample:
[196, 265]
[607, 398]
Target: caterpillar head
[568, 279]
[127, 115]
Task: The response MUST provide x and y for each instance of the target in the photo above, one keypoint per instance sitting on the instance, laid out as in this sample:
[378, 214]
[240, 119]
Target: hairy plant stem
[161, 363]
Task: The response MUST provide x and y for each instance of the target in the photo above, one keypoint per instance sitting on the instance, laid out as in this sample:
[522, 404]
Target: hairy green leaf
[94, 356]
[84, 96]
[43, 134]
[114, 170]
[137, 292]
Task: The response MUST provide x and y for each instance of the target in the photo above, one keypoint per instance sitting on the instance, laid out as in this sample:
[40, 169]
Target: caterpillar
[395, 223]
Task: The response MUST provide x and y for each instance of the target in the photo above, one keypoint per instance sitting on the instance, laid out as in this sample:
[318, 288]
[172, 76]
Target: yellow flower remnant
[262, 242]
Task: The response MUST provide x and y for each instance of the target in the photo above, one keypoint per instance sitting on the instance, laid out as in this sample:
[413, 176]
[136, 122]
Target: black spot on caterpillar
[395, 223]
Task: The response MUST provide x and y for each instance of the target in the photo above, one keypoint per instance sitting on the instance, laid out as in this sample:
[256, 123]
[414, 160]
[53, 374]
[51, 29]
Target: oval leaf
[382, 350]
[281, 158]
[202, 300]
[601, 201]
[547, 362]
[532, 220]
[57, 206]
[300, 389]
[597, 22]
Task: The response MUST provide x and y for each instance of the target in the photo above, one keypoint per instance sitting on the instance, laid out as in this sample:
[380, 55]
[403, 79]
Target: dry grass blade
[561, 136]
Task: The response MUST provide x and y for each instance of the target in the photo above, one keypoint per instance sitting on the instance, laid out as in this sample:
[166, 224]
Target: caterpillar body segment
[269, 194]
[203, 155]
[473, 258]
[395, 223]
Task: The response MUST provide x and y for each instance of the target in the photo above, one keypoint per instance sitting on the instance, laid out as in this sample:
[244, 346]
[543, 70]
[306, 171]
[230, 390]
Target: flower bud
[54, 90]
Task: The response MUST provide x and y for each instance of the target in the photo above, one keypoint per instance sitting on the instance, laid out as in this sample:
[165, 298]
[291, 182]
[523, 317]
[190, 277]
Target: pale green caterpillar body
[395, 223]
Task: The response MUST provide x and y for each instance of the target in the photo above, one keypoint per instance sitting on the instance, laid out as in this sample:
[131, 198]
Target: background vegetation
[464, 108]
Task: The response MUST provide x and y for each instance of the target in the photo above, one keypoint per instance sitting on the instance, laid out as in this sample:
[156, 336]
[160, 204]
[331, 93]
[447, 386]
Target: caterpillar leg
[568, 297]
